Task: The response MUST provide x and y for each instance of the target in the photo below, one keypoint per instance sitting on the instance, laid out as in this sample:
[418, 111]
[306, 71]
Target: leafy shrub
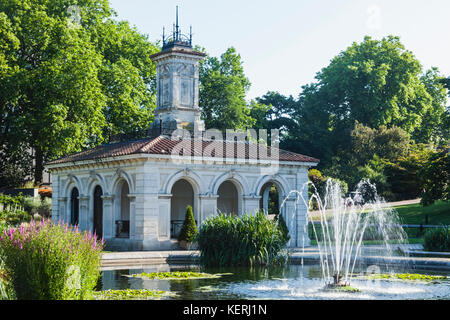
[11, 203]
[319, 185]
[13, 218]
[17, 209]
[283, 227]
[45, 208]
[12, 210]
[374, 171]
[5, 290]
[274, 201]
[51, 262]
[436, 177]
[37, 206]
[240, 241]
[188, 231]
[404, 174]
[437, 239]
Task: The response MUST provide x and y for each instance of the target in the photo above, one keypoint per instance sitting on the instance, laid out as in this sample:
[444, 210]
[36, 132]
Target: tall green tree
[375, 82]
[13, 165]
[128, 77]
[69, 83]
[435, 175]
[259, 112]
[189, 230]
[276, 111]
[223, 86]
[386, 143]
[53, 98]
[433, 128]
[368, 149]
[281, 111]
[446, 115]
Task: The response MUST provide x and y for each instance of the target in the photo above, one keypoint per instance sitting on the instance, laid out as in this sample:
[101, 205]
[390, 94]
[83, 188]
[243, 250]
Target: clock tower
[177, 68]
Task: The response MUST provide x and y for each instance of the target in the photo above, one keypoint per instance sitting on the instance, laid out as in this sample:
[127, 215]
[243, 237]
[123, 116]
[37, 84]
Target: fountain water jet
[341, 224]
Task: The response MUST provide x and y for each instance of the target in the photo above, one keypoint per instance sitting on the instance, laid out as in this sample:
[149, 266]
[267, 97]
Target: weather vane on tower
[177, 38]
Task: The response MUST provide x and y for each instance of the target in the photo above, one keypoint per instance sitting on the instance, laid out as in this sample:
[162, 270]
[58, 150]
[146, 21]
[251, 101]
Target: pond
[291, 282]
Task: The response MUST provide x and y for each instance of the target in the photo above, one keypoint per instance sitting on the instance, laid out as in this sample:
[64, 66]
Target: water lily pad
[406, 276]
[342, 289]
[176, 275]
[129, 294]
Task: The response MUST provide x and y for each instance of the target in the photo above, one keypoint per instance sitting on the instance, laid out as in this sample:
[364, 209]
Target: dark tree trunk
[38, 166]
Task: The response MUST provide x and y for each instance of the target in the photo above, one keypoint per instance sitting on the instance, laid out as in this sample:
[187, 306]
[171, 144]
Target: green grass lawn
[411, 240]
[438, 213]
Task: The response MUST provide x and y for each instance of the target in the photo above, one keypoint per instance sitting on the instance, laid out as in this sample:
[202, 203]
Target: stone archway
[182, 195]
[228, 198]
[122, 210]
[98, 212]
[74, 207]
[270, 199]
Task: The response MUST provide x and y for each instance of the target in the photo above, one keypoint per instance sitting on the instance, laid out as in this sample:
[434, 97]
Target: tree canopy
[68, 84]
[376, 82]
[363, 111]
[223, 86]
[72, 76]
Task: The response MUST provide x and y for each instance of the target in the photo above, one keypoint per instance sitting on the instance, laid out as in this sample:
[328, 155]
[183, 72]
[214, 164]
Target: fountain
[341, 224]
[348, 268]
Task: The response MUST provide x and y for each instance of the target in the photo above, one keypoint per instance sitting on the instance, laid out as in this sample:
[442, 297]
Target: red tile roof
[163, 145]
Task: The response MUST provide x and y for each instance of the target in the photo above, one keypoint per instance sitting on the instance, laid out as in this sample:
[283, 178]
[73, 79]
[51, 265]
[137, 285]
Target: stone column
[55, 202]
[266, 200]
[302, 210]
[147, 207]
[139, 218]
[84, 213]
[289, 213]
[174, 92]
[149, 221]
[108, 217]
[63, 212]
[196, 86]
[251, 204]
[302, 228]
[208, 207]
[164, 216]
[132, 198]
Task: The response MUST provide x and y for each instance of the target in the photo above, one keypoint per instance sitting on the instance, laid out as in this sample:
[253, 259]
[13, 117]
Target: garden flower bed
[50, 261]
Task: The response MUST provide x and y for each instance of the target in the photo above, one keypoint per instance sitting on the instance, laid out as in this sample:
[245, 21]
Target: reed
[241, 241]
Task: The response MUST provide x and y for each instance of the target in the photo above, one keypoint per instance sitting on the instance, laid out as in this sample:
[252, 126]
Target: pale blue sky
[285, 43]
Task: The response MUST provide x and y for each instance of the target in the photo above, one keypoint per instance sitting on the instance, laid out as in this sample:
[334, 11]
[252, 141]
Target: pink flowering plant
[45, 261]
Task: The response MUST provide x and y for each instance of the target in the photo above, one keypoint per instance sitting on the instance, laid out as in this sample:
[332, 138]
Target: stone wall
[150, 183]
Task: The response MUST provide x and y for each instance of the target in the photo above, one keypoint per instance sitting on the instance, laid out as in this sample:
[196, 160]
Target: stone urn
[184, 245]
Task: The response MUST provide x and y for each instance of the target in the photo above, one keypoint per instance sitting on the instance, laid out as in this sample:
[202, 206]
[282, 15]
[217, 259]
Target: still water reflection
[289, 282]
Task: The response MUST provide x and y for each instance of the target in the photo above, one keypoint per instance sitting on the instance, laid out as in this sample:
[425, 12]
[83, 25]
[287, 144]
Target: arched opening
[182, 196]
[123, 208]
[74, 207]
[98, 211]
[270, 199]
[228, 200]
